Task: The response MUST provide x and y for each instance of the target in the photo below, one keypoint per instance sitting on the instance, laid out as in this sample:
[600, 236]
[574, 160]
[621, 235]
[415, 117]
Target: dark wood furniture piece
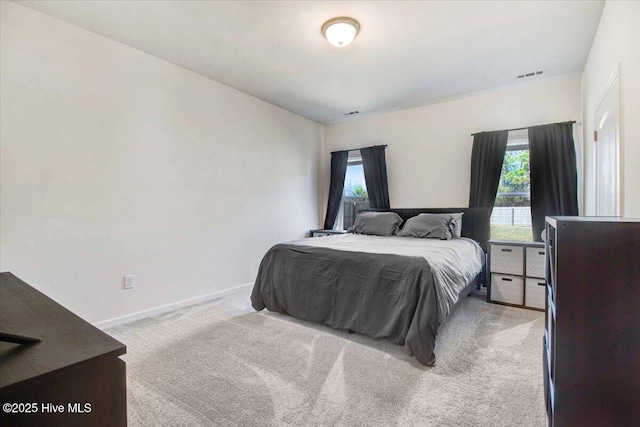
[592, 337]
[517, 274]
[73, 364]
[320, 232]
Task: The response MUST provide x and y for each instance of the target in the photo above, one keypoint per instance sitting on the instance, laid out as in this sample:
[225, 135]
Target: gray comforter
[398, 298]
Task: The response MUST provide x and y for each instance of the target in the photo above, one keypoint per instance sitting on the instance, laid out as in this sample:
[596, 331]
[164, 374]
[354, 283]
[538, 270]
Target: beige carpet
[221, 363]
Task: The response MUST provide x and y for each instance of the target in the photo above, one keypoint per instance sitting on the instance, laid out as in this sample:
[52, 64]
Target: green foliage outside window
[355, 190]
[515, 172]
[514, 179]
[511, 232]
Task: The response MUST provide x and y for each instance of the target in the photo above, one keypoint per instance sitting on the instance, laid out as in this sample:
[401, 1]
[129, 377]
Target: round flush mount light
[340, 31]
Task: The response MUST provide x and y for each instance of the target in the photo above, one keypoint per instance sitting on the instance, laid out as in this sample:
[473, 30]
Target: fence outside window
[351, 207]
[513, 216]
[516, 216]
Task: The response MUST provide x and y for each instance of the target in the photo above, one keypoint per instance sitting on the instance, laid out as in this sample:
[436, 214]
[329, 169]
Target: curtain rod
[509, 130]
[356, 149]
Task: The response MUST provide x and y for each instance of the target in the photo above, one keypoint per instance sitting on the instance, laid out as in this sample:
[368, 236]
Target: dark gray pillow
[455, 224]
[376, 223]
[432, 226]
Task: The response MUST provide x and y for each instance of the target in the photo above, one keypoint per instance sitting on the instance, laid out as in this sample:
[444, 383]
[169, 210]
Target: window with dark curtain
[339, 161]
[355, 197]
[487, 156]
[554, 176]
[511, 216]
[375, 174]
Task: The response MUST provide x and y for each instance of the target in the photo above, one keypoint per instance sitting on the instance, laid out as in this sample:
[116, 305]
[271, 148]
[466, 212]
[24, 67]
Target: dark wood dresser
[592, 337]
[72, 377]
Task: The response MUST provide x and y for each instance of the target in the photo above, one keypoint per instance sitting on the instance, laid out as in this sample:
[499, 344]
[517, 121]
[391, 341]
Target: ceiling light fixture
[340, 31]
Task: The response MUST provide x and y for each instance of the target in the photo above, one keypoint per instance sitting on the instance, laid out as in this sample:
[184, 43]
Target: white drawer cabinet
[517, 274]
[507, 289]
[535, 262]
[534, 295]
[507, 259]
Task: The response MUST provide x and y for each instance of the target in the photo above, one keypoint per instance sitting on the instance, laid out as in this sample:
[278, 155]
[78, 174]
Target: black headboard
[475, 221]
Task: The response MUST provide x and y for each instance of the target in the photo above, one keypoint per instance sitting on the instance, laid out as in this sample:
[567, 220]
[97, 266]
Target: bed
[400, 289]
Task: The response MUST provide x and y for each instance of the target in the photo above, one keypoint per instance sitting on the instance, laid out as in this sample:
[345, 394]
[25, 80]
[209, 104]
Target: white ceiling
[407, 54]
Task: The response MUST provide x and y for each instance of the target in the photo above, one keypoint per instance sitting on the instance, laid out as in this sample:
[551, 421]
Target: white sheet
[454, 262]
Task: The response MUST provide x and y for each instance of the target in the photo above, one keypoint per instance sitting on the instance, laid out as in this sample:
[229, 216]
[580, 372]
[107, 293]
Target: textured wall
[115, 162]
[429, 148]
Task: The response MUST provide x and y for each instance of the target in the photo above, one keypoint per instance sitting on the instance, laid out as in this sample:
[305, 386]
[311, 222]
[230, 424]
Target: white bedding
[454, 262]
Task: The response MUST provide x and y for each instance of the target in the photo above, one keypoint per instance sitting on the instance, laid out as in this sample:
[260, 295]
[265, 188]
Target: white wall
[617, 42]
[115, 162]
[429, 148]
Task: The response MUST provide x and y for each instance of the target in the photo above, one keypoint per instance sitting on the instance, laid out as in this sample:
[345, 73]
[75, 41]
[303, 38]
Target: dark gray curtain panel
[554, 176]
[375, 175]
[487, 156]
[339, 161]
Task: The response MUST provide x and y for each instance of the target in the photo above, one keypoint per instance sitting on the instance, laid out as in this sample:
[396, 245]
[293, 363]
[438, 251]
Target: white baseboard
[127, 318]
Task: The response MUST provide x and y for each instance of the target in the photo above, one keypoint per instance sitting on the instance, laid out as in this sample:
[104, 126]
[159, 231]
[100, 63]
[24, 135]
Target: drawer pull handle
[541, 253]
[541, 283]
[506, 280]
[506, 250]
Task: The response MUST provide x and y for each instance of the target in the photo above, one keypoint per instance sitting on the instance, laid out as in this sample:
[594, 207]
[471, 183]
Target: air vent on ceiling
[531, 74]
[352, 113]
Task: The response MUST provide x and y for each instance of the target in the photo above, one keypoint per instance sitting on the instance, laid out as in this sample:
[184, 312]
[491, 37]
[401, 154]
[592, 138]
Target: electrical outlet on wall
[128, 282]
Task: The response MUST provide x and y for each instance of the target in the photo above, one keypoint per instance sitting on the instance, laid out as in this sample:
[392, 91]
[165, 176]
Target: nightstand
[517, 274]
[320, 233]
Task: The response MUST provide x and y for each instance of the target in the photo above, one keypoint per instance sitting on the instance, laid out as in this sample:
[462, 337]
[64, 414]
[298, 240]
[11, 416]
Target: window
[511, 217]
[354, 196]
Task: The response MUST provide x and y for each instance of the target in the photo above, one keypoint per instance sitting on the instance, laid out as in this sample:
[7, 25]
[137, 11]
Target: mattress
[395, 288]
[454, 262]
